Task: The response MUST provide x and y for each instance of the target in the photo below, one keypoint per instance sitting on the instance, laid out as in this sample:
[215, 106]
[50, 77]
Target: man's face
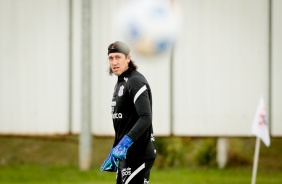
[118, 62]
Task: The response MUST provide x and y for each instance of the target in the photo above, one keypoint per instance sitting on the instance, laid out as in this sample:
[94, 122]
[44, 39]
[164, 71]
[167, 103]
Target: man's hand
[110, 164]
[119, 152]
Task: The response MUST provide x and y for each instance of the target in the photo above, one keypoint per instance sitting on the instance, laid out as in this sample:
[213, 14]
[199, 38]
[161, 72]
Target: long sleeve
[132, 114]
[142, 103]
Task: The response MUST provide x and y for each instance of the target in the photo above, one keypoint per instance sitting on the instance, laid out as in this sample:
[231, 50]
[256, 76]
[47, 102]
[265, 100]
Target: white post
[256, 157]
[222, 152]
[85, 139]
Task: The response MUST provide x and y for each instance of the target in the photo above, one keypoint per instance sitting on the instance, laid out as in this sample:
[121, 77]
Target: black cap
[120, 47]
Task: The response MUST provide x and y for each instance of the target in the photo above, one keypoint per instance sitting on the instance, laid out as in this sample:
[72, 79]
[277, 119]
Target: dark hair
[121, 47]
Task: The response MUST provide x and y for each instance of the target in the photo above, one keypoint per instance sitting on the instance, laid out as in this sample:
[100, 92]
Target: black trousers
[134, 171]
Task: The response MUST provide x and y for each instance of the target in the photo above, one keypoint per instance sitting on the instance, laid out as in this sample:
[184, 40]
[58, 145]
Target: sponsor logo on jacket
[117, 115]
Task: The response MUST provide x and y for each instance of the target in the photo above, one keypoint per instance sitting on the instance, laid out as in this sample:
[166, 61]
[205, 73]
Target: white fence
[222, 64]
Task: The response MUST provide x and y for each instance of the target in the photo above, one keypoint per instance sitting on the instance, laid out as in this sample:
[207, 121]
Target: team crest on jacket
[120, 92]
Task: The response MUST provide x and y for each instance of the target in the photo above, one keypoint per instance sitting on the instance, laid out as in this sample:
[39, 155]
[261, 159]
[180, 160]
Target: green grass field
[38, 174]
[54, 160]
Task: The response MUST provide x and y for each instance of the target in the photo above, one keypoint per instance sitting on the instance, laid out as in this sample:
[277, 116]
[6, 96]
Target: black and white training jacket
[132, 114]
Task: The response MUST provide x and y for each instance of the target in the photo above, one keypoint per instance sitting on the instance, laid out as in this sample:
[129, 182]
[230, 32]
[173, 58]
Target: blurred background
[205, 91]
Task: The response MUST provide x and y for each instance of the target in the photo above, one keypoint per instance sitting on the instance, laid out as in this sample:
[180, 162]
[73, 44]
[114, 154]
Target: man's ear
[129, 58]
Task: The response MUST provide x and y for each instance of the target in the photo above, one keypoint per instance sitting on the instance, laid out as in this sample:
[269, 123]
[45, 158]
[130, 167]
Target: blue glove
[110, 164]
[119, 152]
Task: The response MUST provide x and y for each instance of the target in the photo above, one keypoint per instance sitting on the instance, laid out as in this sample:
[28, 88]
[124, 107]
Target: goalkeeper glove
[110, 164]
[119, 152]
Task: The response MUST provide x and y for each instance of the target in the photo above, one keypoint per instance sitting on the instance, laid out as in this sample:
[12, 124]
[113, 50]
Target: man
[133, 153]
